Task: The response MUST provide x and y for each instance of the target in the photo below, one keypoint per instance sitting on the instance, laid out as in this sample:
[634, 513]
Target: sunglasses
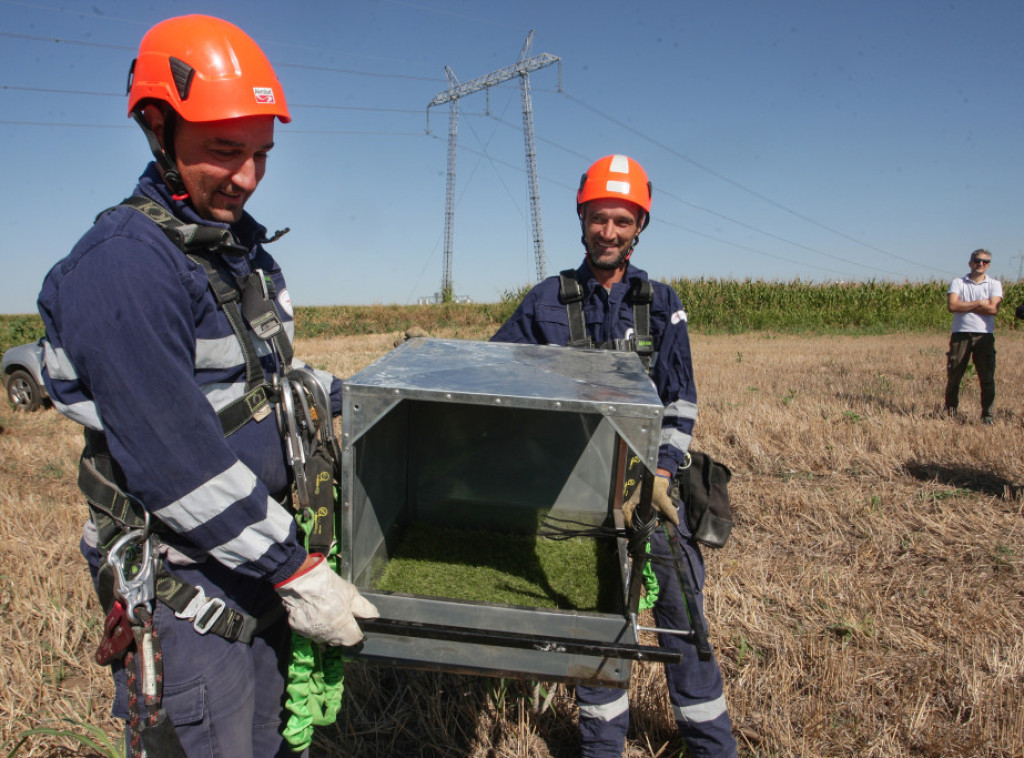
[986, 261]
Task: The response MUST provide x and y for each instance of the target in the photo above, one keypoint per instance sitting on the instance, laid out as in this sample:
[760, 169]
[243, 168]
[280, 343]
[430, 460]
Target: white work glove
[324, 607]
[661, 501]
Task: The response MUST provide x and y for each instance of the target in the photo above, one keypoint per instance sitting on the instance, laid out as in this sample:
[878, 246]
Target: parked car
[22, 369]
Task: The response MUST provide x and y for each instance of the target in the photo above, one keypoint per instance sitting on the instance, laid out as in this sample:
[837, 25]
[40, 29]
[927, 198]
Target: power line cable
[565, 94]
[501, 179]
[60, 91]
[661, 220]
[60, 40]
[286, 132]
[356, 72]
[76, 12]
[309, 67]
[317, 106]
[737, 222]
[776, 236]
[802, 264]
[744, 188]
[66, 124]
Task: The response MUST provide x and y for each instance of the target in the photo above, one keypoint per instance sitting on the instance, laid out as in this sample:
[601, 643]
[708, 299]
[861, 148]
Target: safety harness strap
[571, 294]
[252, 301]
[209, 615]
[641, 295]
[228, 297]
[258, 295]
[114, 512]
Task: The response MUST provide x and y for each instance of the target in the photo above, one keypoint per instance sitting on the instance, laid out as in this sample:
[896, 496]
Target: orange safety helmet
[206, 69]
[616, 176]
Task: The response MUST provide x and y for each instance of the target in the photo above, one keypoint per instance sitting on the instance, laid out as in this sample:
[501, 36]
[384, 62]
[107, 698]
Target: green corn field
[713, 306]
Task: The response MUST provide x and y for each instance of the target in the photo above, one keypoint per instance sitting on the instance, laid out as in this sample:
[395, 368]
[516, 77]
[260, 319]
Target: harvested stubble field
[869, 602]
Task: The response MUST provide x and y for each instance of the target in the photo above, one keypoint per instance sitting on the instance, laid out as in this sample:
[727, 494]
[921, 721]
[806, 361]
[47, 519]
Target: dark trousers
[225, 699]
[963, 348]
[694, 686]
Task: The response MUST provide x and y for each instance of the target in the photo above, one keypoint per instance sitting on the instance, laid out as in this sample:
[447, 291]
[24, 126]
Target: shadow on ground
[976, 480]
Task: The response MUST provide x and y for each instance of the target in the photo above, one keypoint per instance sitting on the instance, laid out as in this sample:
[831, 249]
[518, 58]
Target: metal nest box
[493, 439]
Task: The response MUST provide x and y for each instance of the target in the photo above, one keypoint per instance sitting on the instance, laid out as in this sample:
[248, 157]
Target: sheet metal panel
[488, 435]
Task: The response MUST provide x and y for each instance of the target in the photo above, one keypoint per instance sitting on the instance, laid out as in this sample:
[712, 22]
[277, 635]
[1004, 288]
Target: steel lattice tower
[452, 95]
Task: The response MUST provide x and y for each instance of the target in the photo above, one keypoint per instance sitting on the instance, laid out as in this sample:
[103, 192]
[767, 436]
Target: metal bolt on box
[493, 437]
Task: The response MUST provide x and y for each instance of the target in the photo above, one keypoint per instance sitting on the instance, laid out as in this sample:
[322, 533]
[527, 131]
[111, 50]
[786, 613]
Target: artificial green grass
[580, 573]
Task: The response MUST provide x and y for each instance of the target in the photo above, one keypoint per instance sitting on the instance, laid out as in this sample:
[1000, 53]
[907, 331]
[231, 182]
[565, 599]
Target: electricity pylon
[452, 95]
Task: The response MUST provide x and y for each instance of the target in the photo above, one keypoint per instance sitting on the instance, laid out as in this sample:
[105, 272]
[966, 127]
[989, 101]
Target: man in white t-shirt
[974, 301]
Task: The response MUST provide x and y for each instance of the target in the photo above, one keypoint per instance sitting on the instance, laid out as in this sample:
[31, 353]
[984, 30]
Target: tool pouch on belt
[702, 484]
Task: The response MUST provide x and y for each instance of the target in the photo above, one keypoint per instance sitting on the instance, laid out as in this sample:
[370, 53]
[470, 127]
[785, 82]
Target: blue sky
[825, 140]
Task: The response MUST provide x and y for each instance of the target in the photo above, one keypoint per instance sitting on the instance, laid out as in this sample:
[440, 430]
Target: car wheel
[22, 391]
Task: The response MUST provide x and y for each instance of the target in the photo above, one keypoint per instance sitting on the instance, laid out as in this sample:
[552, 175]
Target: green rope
[298, 728]
[651, 588]
[316, 675]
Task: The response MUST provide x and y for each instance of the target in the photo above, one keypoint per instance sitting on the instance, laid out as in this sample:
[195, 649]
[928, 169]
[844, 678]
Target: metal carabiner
[294, 447]
[321, 403]
[139, 589]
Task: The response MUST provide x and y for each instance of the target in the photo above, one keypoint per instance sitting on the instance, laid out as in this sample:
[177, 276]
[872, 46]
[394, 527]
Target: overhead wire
[54, 91]
[61, 40]
[667, 222]
[731, 220]
[277, 64]
[561, 92]
[501, 179]
[738, 185]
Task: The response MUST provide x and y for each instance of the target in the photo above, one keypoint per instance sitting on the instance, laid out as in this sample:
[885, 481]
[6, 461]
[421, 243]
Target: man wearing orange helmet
[169, 331]
[609, 303]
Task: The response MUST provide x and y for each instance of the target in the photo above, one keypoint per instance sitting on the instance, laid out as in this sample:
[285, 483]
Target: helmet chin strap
[167, 167]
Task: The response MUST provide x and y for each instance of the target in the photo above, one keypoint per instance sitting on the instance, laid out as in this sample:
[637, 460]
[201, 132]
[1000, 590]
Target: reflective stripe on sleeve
[225, 352]
[675, 438]
[58, 365]
[257, 538]
[221, 394]
[681, 409]
[209, 500]
[84, 413]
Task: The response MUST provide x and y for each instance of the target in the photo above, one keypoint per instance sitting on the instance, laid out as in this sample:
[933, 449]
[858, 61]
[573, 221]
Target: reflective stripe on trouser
[604, 721]
[694, 686]
[224, 698]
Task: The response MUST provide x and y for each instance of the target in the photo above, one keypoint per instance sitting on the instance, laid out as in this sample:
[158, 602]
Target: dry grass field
[869, 603]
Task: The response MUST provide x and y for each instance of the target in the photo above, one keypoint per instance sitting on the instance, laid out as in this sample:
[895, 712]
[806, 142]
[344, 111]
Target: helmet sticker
[286, 303]
[619, 164]
[264, 94]
[621, 188]
[678, 316]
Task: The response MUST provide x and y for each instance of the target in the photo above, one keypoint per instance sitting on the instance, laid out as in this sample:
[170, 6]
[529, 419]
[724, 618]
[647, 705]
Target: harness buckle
[266, 326]
[199, 612]
[203, 624]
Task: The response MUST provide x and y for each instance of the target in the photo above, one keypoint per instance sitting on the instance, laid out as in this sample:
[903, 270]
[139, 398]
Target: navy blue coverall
[695, 686]
[138, 350]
